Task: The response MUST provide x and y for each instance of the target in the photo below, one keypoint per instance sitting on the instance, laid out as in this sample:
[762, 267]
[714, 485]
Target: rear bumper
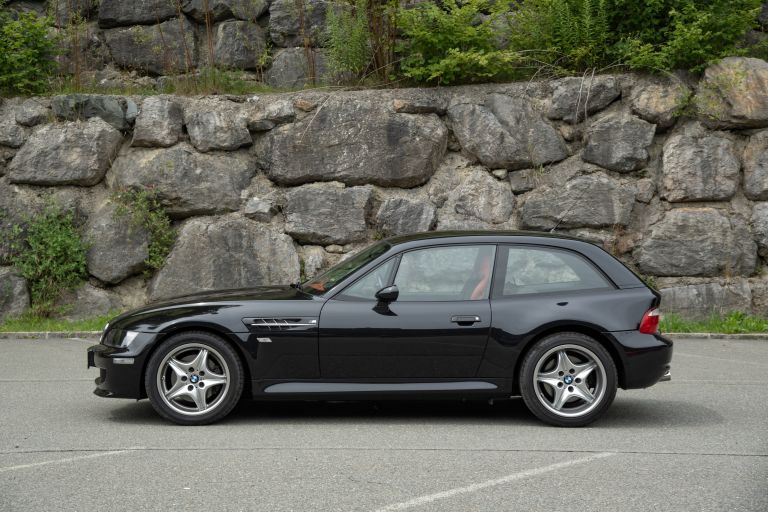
[646, 358]
[120, 372]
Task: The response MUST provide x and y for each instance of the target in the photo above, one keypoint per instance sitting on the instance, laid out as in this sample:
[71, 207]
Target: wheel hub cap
[193, 379]
[567, 379]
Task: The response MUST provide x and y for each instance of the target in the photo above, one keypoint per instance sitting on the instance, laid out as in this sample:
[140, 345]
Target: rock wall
[670, 176]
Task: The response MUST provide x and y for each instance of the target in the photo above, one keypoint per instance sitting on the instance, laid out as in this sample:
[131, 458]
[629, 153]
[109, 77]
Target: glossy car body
[322, 345]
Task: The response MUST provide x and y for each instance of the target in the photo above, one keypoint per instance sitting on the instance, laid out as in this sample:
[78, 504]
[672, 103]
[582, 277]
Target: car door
[436, 328]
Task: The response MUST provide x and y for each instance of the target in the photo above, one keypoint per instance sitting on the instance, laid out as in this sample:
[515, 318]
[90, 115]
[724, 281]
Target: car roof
[433, 235]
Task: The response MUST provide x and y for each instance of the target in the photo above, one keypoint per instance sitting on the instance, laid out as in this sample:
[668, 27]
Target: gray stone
[218, 10]
[482, 196]
[226, 252]
[420, 103]
[760, 227]
[756, 167]
[117, 13]
[88, 301]
[33, 111]
[699, 168]
[699, 301]
[619, 142]
[697, 242]
[573, 96]
[732, 93]
[327, 213]
[11, 134]
[238, 45]
[223, 128]
[400, 216]
[65, 12]
[645, 189]
[291, 70]
[167, 48]
[355, 141]
[265, 117]
[262, 209]
[759, 287]
[500, 174]
[314, 260]
[187, 182]
[506, 133]
[286, 27]
[594, 201]
[70, 153]
[118, 111]
[14, 297]
[116, 248]
[659, 103]
[159, 123]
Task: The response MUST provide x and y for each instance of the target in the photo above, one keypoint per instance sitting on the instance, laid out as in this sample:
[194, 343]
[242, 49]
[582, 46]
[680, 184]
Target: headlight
[118, 338]
[103, 332]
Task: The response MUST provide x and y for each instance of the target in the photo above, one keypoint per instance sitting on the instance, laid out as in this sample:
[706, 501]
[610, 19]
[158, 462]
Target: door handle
[465, 319]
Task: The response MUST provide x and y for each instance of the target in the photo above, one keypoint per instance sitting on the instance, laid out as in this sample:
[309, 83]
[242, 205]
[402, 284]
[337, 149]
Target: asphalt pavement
[698, 443]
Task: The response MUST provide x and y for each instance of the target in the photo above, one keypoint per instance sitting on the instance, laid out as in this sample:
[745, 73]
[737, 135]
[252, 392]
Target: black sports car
[475, 315]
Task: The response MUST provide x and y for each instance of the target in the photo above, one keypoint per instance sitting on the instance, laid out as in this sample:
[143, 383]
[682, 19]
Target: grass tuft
[33, 323]
[732, 323]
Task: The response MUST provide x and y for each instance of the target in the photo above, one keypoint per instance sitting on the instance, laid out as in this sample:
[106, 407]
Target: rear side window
[544, 269]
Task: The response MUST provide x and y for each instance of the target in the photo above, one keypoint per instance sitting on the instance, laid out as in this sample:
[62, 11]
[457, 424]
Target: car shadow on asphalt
[624, 413]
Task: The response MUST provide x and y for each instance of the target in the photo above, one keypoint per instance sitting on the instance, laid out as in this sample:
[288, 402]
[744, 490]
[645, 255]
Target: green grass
[732, 323]
[30, 323]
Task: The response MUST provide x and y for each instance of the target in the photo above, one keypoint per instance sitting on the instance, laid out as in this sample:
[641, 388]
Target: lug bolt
[559, 384]
[570, 388]
[578, 381]
[571, 371]
[201, 384]
[191, 370]
[184, 379]
[202, 373]
[190, 388]
[560, 373]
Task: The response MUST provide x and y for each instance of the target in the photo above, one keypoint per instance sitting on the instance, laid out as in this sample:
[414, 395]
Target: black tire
[551, 386]
[194, 403]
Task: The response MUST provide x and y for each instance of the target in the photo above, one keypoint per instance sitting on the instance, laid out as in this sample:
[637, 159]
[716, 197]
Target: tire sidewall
[528, 369]
[226, 351]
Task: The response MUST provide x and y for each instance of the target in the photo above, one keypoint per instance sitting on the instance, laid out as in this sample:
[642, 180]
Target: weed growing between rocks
[144, 209]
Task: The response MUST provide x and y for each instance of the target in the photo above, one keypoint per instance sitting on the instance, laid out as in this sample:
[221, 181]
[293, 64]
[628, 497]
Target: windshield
[331, 277]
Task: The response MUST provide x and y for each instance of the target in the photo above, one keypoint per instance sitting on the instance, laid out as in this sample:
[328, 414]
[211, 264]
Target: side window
[540, 270]
[446, 273]
[367, 286]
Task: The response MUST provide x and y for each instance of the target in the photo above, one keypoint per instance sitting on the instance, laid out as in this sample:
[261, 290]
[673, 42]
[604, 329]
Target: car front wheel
[194, 378]
[568, 380]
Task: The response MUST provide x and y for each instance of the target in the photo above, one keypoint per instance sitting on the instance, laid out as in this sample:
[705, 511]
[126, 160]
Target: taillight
[650, 322]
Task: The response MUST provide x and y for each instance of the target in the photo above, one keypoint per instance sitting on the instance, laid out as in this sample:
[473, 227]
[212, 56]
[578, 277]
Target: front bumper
[646, 358]
[120, 372]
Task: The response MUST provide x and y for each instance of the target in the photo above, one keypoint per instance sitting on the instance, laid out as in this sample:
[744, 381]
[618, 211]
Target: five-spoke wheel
[194, 378]
[568, 379]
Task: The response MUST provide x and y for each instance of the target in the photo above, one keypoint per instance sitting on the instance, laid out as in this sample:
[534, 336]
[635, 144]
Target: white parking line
[60, 461]
[429, 498]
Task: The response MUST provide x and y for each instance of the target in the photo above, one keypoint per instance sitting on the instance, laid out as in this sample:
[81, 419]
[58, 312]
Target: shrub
[50, 254]
[454, 42]
[26, 52]
[348, 37]
[144, 209]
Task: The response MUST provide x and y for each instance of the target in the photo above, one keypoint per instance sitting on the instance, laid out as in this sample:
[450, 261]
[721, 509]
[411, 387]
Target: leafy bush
[50, 254]
[144, 209]
[348, 37]
[26, 52]
[454, 42]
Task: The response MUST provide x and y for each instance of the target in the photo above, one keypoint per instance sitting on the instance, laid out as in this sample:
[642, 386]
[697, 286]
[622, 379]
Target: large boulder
[506, 132]
[239, 45]
[117, 111]
[400, 216]
[699, 167]
[159, 123]
[14, 297]
[760, 227]
[355, 141]
[595, 201]
[699, 301]
[327, 213]
[226, 252]
[697, 242]
[88, 301]
[288, 26]
[292, 69]
[166, 48]
[659, 103]
[116, 247]
[756, 167]
[70, 153]
[65, 12]
[118, 13]
[483, 197]
[33, 111]
[732, 93]
[619, 142]
[12, 134]
[219, 127]
[187, 182]
[216, 10]
[575, 98]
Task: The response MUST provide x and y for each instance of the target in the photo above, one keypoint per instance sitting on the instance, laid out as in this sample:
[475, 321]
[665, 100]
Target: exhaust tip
[667, 375]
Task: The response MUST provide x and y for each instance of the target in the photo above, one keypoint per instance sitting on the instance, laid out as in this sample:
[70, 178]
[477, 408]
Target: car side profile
[469, 315]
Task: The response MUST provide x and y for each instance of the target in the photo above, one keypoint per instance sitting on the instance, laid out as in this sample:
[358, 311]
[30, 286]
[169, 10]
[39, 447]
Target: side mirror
[388, 294]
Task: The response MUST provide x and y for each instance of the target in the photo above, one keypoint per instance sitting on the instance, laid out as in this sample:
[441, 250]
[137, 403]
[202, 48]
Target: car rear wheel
[194, 378]
[568, 380]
